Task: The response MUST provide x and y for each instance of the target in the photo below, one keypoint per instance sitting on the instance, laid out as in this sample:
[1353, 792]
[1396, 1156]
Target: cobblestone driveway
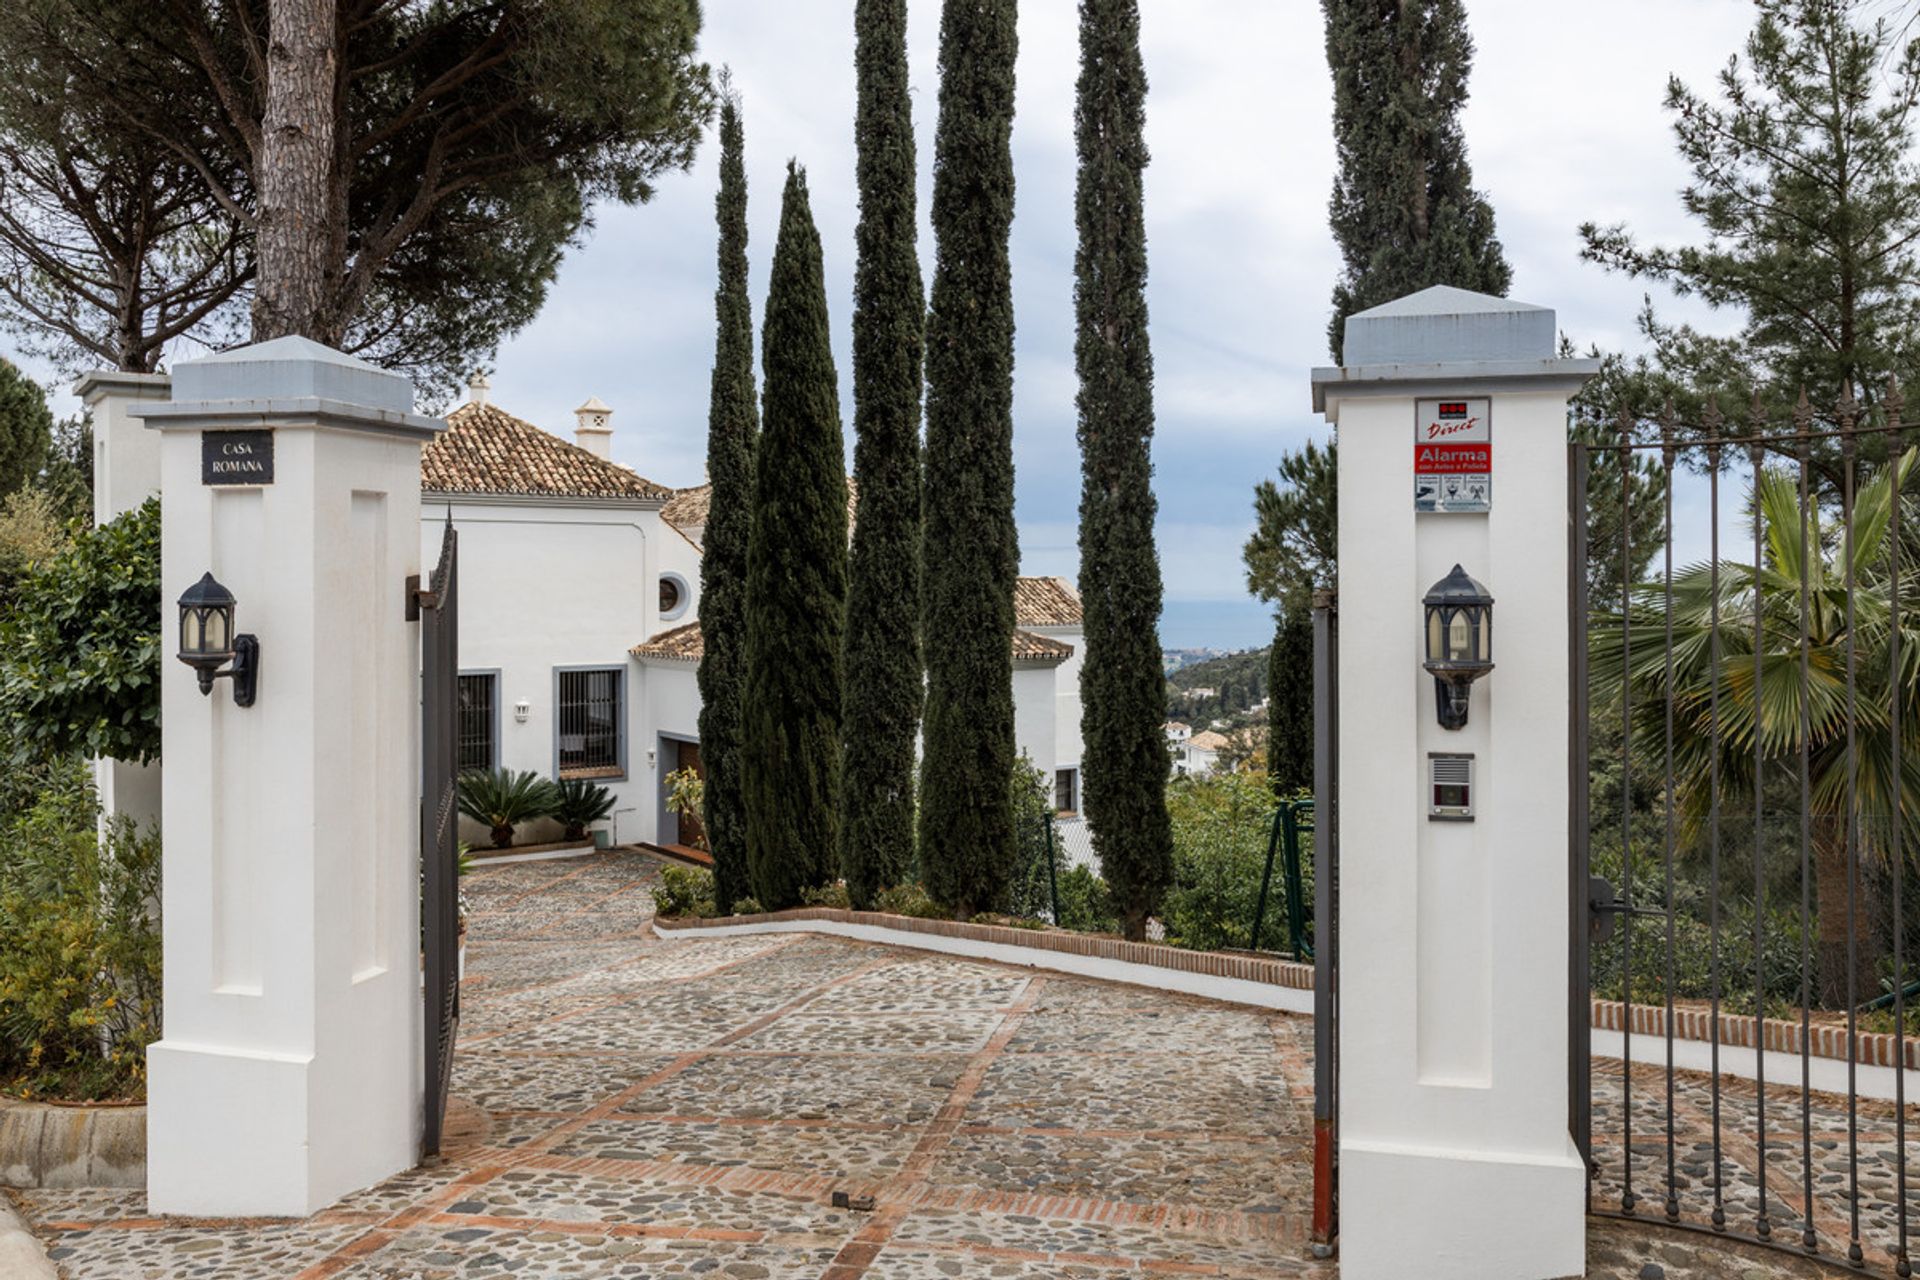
[636, 1109]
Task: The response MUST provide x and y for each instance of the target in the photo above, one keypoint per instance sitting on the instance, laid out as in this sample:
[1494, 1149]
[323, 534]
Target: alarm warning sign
[1452, 456]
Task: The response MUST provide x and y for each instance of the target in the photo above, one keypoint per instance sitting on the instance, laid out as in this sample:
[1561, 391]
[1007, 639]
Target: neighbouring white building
[1194, 754]
[579, 618]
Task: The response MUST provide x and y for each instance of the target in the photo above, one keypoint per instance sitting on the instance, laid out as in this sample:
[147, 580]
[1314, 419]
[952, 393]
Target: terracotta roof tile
[1046, 602]
[691, 507]
[1208, 740]
[487, 451]
[682, 644]
[1028, 647]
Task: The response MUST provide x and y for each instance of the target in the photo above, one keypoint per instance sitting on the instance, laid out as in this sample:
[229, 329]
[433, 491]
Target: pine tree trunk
[295, 168]
[1830, 877]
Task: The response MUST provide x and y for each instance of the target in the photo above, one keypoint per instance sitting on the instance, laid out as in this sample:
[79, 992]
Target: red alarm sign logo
[1452, 456]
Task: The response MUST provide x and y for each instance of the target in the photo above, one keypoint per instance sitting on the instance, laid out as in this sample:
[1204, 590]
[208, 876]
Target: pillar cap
[1438, 338]
[287, 382]
[95, 383]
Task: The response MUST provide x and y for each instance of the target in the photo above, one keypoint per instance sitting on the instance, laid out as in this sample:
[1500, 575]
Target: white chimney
[478, 386]
[593, 434]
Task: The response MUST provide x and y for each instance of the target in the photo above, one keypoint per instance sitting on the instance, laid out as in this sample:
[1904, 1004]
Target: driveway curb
[22, 1257]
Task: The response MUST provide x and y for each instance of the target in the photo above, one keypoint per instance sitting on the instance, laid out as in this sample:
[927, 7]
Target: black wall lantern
[1459, 642]
[208, 642]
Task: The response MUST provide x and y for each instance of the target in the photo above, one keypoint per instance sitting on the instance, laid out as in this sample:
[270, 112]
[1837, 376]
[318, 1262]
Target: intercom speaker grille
[1453, 770]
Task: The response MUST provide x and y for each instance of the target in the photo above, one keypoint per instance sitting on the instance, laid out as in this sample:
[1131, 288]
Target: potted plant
[577, 804]
[502, 799]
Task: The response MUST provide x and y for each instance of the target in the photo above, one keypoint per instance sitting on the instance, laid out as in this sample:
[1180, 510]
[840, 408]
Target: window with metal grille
[1066, 785]
[589, 716]
[479, 725]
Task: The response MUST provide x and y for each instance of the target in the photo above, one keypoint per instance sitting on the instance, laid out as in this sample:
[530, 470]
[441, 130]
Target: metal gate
[437, 609]
[1326, 921]
[1741, 824]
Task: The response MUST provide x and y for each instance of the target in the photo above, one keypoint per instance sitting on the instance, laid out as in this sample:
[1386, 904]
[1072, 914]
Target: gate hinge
[418, 599]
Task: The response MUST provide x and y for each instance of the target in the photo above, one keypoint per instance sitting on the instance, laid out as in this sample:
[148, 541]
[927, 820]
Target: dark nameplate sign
[236, 457]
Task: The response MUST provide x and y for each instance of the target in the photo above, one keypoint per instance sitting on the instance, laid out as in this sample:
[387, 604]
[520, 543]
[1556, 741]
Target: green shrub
[910, 900]
[748, 907]
[1086, 904]
[577, 804]
[827, 895]
[502, 799]
[1221, 828]
[684, 892]
[80, 647]
[79, 950]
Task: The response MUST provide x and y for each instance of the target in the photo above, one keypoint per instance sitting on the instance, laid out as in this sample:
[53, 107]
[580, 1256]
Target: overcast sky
[1565, 124]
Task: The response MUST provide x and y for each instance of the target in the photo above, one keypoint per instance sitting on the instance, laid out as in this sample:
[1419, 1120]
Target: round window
[673, 595]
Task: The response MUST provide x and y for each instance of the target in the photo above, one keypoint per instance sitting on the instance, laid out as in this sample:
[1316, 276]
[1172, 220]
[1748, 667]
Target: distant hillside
[1217, 688]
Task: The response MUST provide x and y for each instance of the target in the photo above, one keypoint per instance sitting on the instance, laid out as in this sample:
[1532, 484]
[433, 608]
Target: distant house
[1195, 754]
[579, 623]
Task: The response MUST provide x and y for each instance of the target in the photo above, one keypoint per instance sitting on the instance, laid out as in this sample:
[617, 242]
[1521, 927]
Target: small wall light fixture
[209, 645]
[521, 710]
[1459, 642]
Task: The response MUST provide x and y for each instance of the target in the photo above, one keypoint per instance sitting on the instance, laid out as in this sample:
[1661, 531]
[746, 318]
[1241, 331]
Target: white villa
[579, 602]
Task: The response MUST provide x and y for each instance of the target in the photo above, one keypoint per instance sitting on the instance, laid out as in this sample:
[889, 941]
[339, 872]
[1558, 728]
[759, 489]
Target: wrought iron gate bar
[1627, 1199]
[1848, 447]
[1756, 455]
[1809, 1238]
[1667, 456]
[1719, 1216]
[439, 845]
[1690, 709]
[1902, 1264]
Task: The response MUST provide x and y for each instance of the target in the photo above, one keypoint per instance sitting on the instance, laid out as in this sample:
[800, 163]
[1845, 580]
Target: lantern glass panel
[192, 632]
[1436, 634]
[215, 638]
[1484, 630]
[1459, 636]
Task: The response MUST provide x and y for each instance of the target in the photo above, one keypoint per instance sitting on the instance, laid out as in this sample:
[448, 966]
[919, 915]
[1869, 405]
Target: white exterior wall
[673, 713]
[1456, 1160]
[1036, 726]
[549, 584]
[126, 472]
[1068, 745]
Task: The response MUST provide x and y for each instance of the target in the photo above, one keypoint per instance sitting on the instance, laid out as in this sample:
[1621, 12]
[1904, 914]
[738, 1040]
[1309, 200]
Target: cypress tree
[796, 579]
[26, 427]
[1122, 687]
[883, 633]
[732, 422]
[1404, 211]
[971, 548]
[1290, 696]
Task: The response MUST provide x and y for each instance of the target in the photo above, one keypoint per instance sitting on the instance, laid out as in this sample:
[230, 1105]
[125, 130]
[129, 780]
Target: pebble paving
[632, 1108]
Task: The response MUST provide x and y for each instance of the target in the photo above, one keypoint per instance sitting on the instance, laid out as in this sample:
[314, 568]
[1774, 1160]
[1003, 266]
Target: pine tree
[883, 632]
[971, 547]
[1404, 211]
[1121, 685]
[796, 579]
[732, 423]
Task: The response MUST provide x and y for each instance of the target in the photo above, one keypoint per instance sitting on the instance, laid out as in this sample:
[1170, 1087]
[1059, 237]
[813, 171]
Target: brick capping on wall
[1214, 964]
[1875, 1048]
[1782, 1035]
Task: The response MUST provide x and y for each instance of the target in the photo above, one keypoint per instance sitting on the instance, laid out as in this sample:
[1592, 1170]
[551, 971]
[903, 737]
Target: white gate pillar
[126, 472]
[289, 1069]
[1455, 1154]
